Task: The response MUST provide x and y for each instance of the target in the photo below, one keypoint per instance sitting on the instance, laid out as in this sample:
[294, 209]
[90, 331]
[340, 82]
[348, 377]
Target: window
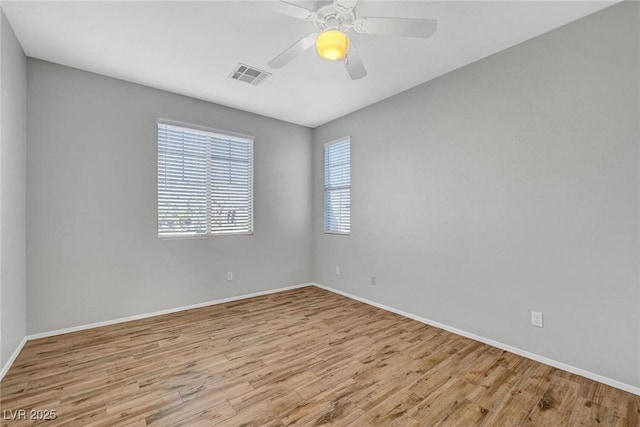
[337, 187]
[205, 182]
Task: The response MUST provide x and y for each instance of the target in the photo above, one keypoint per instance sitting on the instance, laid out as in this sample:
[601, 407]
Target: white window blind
[205, 182]
[337, 187]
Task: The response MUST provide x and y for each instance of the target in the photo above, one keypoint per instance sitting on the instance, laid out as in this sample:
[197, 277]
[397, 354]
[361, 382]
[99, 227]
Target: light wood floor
[303, 357]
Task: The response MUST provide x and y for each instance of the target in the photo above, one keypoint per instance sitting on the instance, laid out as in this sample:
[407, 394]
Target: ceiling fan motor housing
[329, 18]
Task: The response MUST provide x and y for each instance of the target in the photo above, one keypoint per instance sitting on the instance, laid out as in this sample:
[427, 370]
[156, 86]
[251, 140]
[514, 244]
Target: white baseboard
[592, 376]
[160, 313]
[7, 365]
[596, 377]
[12, 359]
[47, 334]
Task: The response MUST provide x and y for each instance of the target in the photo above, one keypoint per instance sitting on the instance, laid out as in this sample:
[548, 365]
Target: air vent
[249, 74]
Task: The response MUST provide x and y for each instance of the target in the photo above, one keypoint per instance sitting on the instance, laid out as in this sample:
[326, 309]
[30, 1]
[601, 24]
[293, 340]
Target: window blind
[337, 187]
[205, 182]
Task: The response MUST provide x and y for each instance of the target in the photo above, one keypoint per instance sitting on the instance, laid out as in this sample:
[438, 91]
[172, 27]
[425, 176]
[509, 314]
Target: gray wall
[92, 245]
[13, 147]
[507, 186]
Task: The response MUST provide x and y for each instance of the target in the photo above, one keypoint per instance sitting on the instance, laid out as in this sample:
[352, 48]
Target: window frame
[326, 188]
[250, 139]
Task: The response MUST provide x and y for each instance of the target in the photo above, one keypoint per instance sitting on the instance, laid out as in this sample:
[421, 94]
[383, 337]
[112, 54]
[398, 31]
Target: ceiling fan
[332, 21]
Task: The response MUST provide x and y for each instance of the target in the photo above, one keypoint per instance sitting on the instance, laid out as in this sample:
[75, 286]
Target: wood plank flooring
[305, 357]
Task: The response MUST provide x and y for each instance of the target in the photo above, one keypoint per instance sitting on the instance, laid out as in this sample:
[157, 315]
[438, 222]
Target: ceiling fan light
[332, 45]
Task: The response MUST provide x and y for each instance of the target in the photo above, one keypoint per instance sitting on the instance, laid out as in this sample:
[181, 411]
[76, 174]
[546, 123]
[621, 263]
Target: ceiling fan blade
[344, 6]
[298, 48]
[406, 27]
[354, 64]
[286, 8]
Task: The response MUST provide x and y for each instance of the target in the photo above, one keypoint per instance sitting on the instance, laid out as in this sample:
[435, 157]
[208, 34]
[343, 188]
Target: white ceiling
[190, 48]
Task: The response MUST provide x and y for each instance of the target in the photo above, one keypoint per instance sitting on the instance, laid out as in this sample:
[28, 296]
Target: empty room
[306, 213]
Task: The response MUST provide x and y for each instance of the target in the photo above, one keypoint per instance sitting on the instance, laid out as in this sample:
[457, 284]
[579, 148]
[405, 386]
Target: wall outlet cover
[536, 319]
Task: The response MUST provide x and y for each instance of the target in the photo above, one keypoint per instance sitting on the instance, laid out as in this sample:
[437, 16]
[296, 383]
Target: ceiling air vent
[249, 74]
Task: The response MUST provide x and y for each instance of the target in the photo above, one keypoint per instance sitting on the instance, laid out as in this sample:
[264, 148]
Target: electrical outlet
[536, 319]
[229, 275]
[373, 280]
[338, 271]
